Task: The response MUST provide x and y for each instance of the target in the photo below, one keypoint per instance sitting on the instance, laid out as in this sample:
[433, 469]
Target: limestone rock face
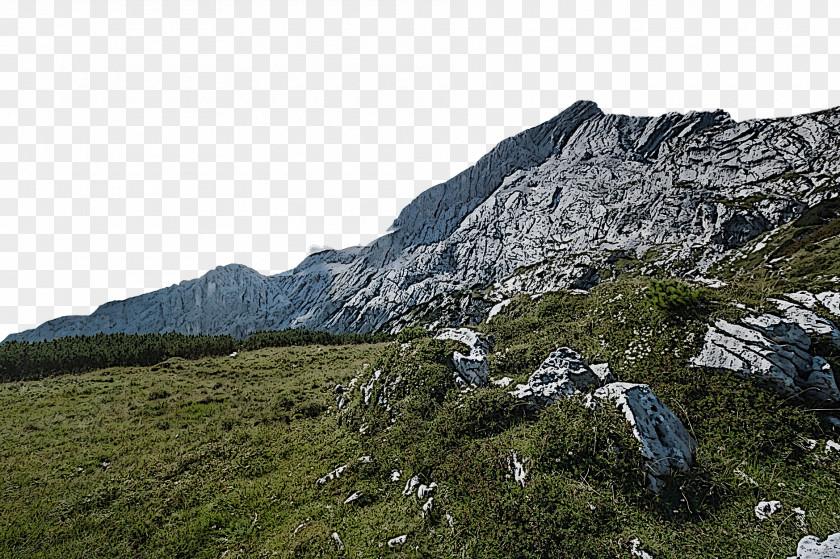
[665, 443]
[562, 374]
[810, 547]
[545, 209]
[773, 351]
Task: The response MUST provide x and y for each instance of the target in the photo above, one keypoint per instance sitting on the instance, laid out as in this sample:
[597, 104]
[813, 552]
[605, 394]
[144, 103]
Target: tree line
[78, 354]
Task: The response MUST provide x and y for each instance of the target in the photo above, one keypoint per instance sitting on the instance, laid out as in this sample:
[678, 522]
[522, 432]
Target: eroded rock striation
[545, 209]
[773, 351]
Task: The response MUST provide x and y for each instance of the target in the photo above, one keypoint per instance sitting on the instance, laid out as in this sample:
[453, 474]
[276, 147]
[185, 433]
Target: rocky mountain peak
[549, 208]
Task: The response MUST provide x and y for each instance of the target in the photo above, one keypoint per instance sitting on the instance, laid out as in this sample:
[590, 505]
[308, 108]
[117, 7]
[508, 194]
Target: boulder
[812, 323]
[771, 350]
[562, 374]
[472, 369]
[810, 547]
[831, 301]
[665, 442]
[766, 509]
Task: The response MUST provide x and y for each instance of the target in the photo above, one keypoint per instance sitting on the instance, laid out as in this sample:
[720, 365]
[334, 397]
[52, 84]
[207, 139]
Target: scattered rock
[332, 475]
[562, 374]
[450, 520]
[810, 444]
[799, 515]
[411, 486]
[340, 392]
[766, 509]
[637, 551]
[365, 459]
[774, 352]
[395, 475]
[810, 547]
[367, 390]
[517, 468]
[665, 442]
[355, 496]
[424, 490]
[234, 354]
[338, 541]
[504, 382]
[398, 541]
[427, 506]
[472, 369]
[711, 282]
[831, 447]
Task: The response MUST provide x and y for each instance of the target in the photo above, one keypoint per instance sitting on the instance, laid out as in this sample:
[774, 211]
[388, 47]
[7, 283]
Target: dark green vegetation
[76, 354]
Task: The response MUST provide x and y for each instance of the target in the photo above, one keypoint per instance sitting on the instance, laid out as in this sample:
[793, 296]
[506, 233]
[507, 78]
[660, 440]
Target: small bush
[671, 296]
[412, 333]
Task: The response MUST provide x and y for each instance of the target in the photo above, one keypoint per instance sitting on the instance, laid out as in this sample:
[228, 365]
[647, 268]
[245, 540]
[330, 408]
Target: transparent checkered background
[146, 142]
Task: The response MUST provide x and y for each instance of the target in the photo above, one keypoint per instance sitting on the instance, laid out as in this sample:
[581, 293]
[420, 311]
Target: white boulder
[424, 491]
[472, 369]
[766, 509]
[810, 547]
[517, 468]
[411, 485]
[398, 541]
[337, 539]
[562, 374]
[831, 301]
[497, 308]
[331, 475]
[665, 443]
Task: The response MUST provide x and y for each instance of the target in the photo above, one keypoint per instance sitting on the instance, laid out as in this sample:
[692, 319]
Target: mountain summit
[552, 207]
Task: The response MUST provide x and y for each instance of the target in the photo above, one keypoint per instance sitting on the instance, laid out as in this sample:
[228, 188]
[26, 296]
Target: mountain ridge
[565, 197]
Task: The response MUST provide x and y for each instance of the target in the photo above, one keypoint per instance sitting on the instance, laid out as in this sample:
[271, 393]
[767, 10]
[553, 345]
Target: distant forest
[78, 354]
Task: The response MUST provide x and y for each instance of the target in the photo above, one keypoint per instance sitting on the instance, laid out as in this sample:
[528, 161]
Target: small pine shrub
[412, 333]
[671, 296]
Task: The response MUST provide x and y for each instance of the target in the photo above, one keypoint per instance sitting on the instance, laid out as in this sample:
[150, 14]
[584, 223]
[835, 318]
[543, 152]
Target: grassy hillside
[221, 457]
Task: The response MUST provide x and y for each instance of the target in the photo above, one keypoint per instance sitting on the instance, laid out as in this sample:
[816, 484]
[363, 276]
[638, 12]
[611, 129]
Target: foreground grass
[184, 459]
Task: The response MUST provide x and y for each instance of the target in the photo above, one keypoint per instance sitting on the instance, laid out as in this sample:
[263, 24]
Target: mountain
[557, 206]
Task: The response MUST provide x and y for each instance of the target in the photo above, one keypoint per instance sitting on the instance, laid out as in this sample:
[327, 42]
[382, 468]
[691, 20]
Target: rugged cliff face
[545, 209]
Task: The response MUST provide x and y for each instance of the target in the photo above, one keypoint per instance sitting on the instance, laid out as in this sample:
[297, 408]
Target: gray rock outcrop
[774, 352]
[471, 369]
[812, 323]
[545, 209]
[562, 374]
[810, 547]
[665, 443]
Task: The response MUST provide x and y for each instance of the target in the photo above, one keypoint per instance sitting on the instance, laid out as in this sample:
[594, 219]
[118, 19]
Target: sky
[145, 143]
